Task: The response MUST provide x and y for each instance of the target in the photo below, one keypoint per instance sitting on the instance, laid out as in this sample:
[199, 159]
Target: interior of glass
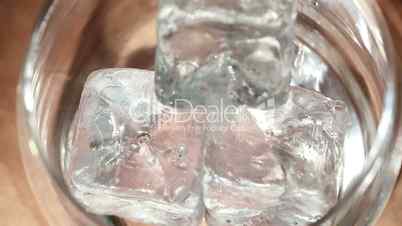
[76, 37]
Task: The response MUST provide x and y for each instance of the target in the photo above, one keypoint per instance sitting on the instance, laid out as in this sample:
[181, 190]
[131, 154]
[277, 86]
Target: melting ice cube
[276, 166]
[237, 50]
[132, 157]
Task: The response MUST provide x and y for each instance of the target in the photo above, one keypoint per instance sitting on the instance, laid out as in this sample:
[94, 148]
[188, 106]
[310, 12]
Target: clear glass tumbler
[73, 38]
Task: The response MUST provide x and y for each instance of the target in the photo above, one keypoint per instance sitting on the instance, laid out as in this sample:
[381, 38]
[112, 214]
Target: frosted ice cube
[131, 156]
[276, 166]
[253, 40]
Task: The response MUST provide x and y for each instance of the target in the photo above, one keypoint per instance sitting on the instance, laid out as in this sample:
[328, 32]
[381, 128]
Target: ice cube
[242, 176]
[276, 166]
[132, 157]
[247, 44]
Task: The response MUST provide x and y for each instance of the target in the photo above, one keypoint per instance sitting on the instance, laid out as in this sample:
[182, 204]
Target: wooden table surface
[17, 205]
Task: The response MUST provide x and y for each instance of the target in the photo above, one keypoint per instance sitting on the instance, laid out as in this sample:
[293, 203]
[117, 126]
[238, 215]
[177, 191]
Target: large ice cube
[131, 156]
[247, 44]
[276, 166]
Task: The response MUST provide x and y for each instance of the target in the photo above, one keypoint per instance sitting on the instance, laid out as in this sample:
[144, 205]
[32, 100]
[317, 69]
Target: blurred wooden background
[17, 205]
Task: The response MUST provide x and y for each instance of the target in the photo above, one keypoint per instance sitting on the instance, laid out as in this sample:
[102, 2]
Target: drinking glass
[73, 38]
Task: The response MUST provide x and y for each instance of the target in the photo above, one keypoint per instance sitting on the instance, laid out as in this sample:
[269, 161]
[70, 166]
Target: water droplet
[134, 148]
[181, 150]
[143, 137]
[93, 145]
[179, 156]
